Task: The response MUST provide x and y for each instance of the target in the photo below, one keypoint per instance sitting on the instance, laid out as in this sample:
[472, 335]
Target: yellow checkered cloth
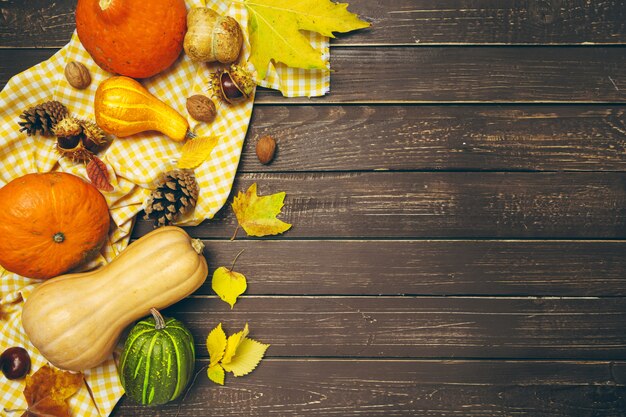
[135, 165]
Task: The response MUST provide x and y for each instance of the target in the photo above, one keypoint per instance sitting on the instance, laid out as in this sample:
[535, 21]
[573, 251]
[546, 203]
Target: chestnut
[15, 362]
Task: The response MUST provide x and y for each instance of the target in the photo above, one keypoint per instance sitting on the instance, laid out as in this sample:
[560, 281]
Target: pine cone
[175, 195]
[42, 118]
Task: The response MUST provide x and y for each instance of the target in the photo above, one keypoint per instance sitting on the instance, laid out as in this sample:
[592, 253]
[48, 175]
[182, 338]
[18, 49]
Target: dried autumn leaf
[247, 356]
[228, 284]
[216, 374]
[275, 30]
[98, 174]
[47, 391]
[196, 151]
[216, 344]
[257, 214]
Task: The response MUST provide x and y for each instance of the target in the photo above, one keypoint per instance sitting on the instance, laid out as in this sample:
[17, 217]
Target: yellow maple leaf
[234, 340]
[275, 30]
[257, 214]
[246, 358]
[48, 390]
[216, 344]
[196, 151]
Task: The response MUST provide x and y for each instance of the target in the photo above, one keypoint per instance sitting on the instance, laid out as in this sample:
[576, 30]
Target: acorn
[232, 85]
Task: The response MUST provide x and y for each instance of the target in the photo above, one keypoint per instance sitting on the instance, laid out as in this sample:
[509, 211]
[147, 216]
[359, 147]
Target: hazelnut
[265, 149]
[77, 75]
[201, 108]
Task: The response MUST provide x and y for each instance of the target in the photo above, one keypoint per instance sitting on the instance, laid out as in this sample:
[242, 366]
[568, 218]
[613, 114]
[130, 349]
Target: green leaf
[228, 284]
[216, 374]
[216, 344]
[248, 355]
[275, 30]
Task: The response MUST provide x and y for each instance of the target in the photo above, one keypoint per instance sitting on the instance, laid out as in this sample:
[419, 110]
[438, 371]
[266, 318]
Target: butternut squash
[75, 320]
[123, 107]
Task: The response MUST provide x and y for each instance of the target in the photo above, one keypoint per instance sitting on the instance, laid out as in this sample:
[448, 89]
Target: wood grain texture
[433, 204]
[451, 75]
[284, 387]
[338, 138]
[43, 23]
[537, 268]
[417, 327]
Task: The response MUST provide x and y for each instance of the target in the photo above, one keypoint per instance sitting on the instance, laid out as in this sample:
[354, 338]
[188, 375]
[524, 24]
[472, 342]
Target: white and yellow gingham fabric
[134, 163]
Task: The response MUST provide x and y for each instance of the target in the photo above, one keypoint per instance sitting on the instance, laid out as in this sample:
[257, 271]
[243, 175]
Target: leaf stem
[17, 410]
[93, 399]
[180, 404]
[235, 234]
[235, 260]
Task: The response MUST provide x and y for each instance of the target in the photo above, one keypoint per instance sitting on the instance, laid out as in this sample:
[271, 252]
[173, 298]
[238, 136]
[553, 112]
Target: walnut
[77, 75]
[201, 108]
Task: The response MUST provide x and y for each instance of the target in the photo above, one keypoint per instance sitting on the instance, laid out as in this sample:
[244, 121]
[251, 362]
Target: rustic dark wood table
[459, 211]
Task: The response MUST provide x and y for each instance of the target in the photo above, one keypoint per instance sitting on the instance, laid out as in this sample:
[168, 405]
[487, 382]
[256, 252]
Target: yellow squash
[75, 320]
[124, 107]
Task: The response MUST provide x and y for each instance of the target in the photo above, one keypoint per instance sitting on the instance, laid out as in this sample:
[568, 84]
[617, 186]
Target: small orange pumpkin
[50, 223]
[137, 38]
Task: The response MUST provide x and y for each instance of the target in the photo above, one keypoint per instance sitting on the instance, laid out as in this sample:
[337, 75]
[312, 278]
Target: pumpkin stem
[104, 4]
[58, 237]
[158, 319]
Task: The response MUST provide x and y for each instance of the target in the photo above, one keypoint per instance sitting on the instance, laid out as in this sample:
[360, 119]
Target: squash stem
[198, 246]
[158, 319]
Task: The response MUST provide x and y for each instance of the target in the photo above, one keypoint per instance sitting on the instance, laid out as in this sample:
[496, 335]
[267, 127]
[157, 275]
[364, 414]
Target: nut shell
[265, 149]
[201, 108]
[77, 75]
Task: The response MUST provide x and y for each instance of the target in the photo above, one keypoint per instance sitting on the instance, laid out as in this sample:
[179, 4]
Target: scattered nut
[15, 362]
[201, 108]
[265, 149]
[77, 75]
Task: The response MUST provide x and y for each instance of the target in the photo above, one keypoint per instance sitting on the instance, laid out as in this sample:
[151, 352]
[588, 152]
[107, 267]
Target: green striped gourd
[158, 360]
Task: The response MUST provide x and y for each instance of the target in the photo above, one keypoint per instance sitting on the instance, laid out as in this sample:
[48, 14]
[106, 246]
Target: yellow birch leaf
[247, 357]
[228, 284]
[196, 151]
[216, 374]
[275, 30]
[257, 214]
[216, 344]
[234, 340]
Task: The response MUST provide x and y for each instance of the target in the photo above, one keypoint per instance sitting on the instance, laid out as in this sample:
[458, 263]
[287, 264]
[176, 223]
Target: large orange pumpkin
[136, 38]
[50, 223]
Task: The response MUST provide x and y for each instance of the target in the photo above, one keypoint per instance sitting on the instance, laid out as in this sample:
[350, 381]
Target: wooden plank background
[458, 202]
